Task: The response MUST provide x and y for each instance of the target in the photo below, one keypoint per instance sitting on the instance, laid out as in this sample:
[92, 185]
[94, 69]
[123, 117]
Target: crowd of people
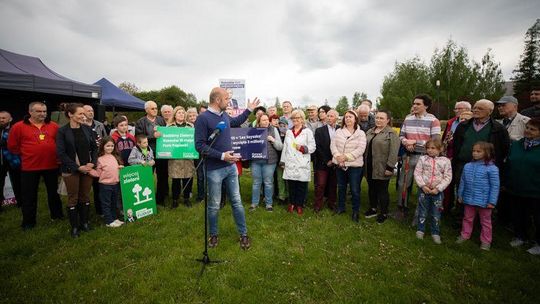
[477, 164]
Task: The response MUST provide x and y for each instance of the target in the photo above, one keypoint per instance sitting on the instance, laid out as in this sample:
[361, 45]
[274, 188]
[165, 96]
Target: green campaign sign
[176, 143]
[138, 194]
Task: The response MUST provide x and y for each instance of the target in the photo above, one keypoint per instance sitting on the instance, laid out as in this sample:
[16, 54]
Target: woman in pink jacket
[348, 146]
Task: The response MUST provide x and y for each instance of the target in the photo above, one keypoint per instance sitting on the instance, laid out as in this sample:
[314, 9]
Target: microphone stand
[205, 260]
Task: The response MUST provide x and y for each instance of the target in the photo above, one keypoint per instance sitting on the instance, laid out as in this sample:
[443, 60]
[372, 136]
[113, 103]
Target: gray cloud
[307, 51]
[359, 33]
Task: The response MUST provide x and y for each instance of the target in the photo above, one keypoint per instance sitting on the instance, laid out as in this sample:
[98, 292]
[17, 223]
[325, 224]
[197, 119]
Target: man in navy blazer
[325, 172]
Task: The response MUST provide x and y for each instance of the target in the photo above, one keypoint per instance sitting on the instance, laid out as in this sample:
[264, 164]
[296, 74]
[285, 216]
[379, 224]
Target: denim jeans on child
[108, 194]
[262, 174]
[429, 205]
[229, 176]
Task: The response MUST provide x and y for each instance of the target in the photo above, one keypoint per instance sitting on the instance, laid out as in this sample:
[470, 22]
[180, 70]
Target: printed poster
[176, 143]
[138, 193]
[250, 143]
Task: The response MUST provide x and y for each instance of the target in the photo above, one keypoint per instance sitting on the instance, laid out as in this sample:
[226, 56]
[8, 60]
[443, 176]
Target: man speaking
[215, 125]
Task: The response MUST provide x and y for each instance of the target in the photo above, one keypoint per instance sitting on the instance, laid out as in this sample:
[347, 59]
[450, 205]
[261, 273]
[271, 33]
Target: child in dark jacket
[124, 141]
[479, 190]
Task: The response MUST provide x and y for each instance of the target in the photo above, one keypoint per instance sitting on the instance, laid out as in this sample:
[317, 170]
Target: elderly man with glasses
[147, 125]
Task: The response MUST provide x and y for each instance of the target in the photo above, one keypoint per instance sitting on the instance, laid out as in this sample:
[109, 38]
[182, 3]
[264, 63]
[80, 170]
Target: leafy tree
[342, 105]
[452, 67]
[527, 73]
[408, 79]
[357, 99]
[277, 104]
[171, 95]
[460, 78]
[489, 81]
[128, 87]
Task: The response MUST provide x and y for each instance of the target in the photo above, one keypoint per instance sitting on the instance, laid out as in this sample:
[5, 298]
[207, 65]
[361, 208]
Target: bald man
[220, 161]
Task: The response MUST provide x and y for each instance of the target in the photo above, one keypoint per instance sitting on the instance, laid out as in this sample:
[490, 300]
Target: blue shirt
[205, 125]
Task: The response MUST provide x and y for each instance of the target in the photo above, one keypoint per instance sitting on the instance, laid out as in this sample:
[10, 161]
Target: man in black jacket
[147, 125]
[481, 128]
[324, 168]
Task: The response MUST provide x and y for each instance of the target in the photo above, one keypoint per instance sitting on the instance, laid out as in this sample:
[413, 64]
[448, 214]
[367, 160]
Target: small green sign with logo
[176, 143]
[138, 193]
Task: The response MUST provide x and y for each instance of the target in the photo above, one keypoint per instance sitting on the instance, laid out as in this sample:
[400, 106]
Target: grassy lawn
[311, 259]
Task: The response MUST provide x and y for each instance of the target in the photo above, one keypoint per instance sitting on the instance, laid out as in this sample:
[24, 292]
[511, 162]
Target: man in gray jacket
[99, 131]
[511, 119]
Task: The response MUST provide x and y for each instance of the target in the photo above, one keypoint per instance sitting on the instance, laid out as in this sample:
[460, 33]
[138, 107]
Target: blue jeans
[262, 173]
[429, 205]
[353, 177]
[229, 176]
[108, 195]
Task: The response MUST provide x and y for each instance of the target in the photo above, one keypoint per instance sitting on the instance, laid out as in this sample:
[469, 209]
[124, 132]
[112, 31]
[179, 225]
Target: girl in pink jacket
[432, 174]
[107, 170]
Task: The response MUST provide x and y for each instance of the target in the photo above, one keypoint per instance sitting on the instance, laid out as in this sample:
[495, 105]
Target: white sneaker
[516, 242]
[419, 235]
[534, 250]
[460, 240]
[113, 225]
[485, 246]
[436, 239]
[119, 222]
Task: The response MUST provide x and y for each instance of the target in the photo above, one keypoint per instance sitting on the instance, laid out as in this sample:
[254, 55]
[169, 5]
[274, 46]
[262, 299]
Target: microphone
[219, 128]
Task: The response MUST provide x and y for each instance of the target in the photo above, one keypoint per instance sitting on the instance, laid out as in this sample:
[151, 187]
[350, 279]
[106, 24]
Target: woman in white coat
[298, 145]
[348, 146]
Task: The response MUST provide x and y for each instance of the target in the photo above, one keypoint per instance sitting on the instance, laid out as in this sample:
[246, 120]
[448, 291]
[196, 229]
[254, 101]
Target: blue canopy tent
[115, 98]
[24, 79]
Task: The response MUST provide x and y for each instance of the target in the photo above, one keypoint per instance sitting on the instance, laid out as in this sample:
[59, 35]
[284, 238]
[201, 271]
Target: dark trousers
[448, 198]
[200, 181]
[325, 183]
[522, 210]
[162, 174]
[379, 198]
[504, 208]
[97, 197]
[297, 192]
[29, 194]
[15, 178]
[181, 183]
[108, 195]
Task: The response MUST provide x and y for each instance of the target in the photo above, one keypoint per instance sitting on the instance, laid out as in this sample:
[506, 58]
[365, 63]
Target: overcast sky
[304, 51]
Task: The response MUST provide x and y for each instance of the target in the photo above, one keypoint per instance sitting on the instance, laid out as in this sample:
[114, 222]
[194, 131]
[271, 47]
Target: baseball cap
[507, 99]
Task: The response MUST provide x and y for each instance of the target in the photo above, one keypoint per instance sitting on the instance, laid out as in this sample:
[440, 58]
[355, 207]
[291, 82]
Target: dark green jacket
[523, 170]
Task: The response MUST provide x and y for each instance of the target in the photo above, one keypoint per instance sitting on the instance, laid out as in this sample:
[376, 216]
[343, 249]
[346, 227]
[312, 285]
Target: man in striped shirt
[417, 129]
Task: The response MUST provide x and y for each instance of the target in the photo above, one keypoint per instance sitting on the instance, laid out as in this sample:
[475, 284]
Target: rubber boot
[84, 213]
[174, 204]
[74, 221]
[187, 202]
